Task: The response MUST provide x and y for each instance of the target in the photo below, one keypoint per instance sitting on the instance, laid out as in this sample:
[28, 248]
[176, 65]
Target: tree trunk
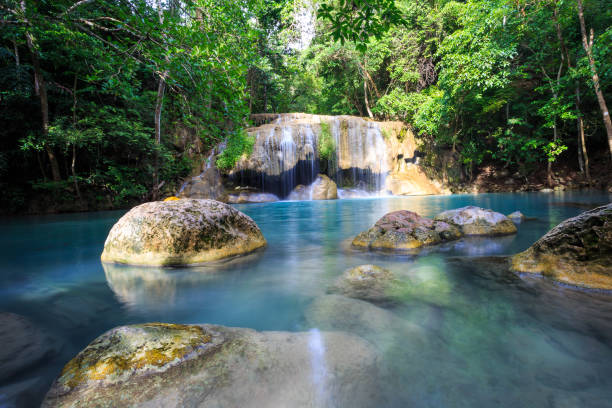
[583, 158]
[365, 97]
[583, 140]
[587, 44]
[74, 142]
[161, 88]
[44, 106]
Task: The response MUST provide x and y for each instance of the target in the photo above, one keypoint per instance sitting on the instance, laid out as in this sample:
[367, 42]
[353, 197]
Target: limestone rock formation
[478, 221]
[23, 344]
[181, 232]
[577, 252]
[292, 149]
[208, 185]
[174, 365]
[367, 282]
[405, 230]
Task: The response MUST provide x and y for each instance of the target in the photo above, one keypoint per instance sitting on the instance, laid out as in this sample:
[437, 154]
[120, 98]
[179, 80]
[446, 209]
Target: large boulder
[577, 252]
[23, 345]
[404, 230]
[174, 365]
[367, 282]
[324, 188]
[181, 232]
[478, 221]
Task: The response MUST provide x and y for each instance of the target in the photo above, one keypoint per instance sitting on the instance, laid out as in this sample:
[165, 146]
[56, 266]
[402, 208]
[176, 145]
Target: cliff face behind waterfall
[361, 156]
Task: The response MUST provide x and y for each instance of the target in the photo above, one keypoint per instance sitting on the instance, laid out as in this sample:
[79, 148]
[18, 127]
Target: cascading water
[286, 154]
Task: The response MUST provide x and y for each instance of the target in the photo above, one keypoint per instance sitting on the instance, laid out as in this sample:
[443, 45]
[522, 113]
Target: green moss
[326, 145]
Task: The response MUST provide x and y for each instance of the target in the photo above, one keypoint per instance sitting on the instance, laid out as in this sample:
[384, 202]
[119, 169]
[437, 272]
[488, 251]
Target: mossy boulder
[173, 365]
[405, 230]
[577, 252]
[367, 282]
[473, 220]
[181, 232]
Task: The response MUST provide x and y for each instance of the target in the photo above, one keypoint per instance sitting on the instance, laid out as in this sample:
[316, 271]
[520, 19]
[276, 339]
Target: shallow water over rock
[462, 332]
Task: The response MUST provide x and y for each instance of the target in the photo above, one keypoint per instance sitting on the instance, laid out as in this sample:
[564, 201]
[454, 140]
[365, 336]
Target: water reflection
[157, 287]
[316, 349]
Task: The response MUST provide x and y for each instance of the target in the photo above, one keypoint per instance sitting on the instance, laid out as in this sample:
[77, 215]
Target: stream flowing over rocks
[173, 365]
[298, 156]
[181, 232]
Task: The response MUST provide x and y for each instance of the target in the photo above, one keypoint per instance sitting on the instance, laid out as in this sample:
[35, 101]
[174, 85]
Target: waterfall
[286, 155]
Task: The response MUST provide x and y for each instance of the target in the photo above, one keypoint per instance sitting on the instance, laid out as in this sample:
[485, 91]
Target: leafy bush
[238, 144]
[326, 145]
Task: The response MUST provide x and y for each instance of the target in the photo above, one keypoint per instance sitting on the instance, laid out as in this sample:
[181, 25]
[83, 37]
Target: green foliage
[326, 145]
[238, 145]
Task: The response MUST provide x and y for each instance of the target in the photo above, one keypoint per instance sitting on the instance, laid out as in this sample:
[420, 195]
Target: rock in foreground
[181, 232]
[478, 221]
[402, 230]
[367, 282]
[577, 252]
[170, 365]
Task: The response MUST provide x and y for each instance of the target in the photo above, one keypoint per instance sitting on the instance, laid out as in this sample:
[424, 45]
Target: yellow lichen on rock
[171, 198]
[122, 352]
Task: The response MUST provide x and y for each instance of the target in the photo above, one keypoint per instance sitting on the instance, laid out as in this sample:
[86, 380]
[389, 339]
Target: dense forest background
[105, 103]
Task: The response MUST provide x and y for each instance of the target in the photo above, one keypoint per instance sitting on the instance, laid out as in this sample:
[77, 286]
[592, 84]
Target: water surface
[492, 338]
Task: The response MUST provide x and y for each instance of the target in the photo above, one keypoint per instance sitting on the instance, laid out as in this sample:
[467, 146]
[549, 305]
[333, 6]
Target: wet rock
[577, 251]
[181, 232]
[214, 366]
[300, 193]
[517, 217]
[405, 230]
[324, 188]
[23, 345]
[367, 282]
[207, 185]
[478, 221]
[373, 323]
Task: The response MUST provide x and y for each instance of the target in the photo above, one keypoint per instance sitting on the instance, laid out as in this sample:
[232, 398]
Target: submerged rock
[577, 252]
[172, 365]
[367, 282]
[402, 230]
[181, 232]
[478, 221]
[324, 188]
[23, 344]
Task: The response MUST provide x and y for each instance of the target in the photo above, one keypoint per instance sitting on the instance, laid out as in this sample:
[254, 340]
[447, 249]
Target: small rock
[405, 230]
[324, 188]
[546, 190]
[367, 282]
[517, 217]
[478, 221]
